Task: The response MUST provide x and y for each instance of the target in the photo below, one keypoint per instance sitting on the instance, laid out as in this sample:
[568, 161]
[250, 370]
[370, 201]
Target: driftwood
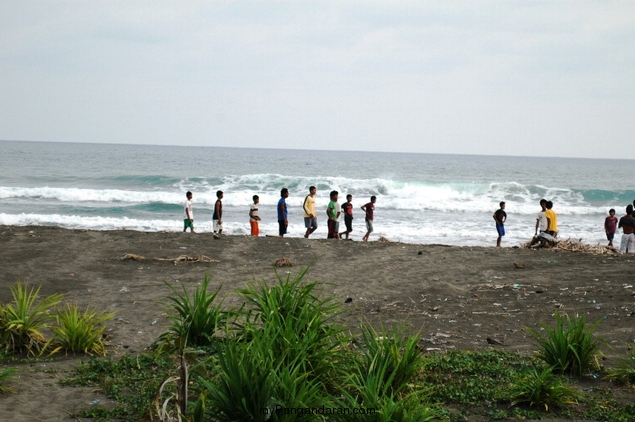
[132, 256]
[185, 258]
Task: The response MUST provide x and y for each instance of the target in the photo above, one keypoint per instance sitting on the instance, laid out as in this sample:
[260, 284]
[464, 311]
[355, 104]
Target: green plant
[131, 380]
[569, 347]
[382, 379]
[540, 387]
[624, 371]
[78, 331]
[24, 319]
[299, 323]
[388, 353]
[5, 375]
[195, 320]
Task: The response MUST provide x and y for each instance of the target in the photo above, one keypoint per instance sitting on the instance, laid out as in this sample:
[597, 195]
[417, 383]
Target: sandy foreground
[457, 297]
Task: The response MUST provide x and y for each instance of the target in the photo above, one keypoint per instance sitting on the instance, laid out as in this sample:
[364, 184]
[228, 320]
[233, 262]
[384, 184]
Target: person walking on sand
[500, 216]
[552, 228]
[310, 219]
[333, 213]
[283, 215]
[189, 216]
[627, 224]
[254, 218]
[347, 210]
[369, 209]
[217, 218]
[610, 226]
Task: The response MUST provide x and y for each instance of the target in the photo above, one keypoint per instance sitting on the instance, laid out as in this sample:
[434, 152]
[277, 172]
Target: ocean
[421, 198]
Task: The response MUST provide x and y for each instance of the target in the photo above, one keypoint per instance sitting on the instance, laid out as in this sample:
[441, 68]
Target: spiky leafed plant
[196, 317]
[569, 347]
[24, 319]
[540, 387]
[624, 370]
[80, 332]
[5, 375]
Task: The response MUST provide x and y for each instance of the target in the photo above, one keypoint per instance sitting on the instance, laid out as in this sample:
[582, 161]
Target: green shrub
[382, 379]
[300, 324]
[78, 331]
[540, 387]
[23, 320]
[196, 317]
[624, 371]
[5, 375]
[570, 347]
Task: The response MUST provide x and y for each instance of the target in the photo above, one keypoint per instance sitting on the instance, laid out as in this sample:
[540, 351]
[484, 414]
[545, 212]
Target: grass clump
[196, 318]
[286, 352]
[6, 375]
[624, 370]
[540, 387]
[570, 347]
[383, 379]
[78, 331]
[22, 321]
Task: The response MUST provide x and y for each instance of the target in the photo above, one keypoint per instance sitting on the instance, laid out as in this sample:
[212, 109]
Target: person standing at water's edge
[283, 214]
[218, 213]
[500, 216]
[310, 219]
[254, 218]
[333, 213]
[610, 226]
[347, 210]
[189, 216]
[369, 209]
[627, 224]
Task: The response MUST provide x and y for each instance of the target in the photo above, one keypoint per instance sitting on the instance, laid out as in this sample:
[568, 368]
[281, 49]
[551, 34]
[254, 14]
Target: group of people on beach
[333, 212]
[547, 226]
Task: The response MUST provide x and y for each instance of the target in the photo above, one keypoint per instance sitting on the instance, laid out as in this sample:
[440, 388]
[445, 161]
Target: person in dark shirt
[627, 224]
[369, 209]
[347, 210]
[500, 216]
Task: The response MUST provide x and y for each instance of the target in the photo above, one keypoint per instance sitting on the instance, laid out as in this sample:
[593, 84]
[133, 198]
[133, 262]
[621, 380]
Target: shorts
[610, 236]
[310, 222]
[333, 227]
[282, 228]
[369, 226]
[218, 227]
[255, 230]
[187, 223]
[628, 243]
[348, 220]
[501, 230]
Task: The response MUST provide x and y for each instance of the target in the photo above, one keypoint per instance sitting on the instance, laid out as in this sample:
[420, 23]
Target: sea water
[421, 198]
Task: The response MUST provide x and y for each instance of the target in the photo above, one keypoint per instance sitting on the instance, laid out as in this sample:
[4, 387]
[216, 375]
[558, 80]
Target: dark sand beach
[456, 297]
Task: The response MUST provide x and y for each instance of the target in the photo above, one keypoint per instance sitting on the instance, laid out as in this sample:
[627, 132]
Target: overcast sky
[539, 78]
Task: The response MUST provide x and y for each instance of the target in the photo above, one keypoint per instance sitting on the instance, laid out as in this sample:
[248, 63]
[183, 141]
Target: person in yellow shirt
[552, 219]
[310, 219]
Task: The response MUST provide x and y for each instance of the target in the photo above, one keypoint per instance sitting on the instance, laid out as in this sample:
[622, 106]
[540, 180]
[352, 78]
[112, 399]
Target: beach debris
[420, 253]
[576, 246]
[348, 300]
[133, 257]
[520, 266]
[494, 341]
[284, 262]
[184, 258]
[382, 239]
[124, 289]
